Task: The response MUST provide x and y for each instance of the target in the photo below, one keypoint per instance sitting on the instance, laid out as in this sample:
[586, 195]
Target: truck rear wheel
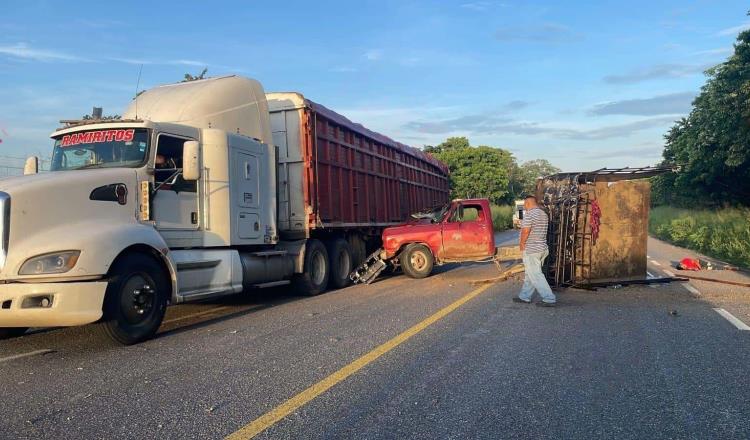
[136, 299]
[340, 255]
[12, 332]
[314, 278]
[416, 261]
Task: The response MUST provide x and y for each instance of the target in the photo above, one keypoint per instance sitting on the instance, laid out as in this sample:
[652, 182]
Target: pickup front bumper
[51, 304]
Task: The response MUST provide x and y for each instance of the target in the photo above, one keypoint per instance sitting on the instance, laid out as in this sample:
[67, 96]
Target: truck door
[175, 204]
[465, 233]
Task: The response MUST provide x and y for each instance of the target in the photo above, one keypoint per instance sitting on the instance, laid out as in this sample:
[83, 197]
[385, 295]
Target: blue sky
[582, 84]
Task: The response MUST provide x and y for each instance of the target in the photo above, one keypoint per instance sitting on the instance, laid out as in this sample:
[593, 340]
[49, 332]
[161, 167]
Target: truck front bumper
[51, 304]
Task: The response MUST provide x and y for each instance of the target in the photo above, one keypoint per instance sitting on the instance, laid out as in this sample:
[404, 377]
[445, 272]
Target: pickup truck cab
[459, 231]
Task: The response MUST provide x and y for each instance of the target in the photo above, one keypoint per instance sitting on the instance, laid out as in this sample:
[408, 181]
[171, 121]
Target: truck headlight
[57, 262]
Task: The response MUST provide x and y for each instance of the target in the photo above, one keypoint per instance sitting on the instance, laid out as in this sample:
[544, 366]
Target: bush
[502, 217]
[721, 233]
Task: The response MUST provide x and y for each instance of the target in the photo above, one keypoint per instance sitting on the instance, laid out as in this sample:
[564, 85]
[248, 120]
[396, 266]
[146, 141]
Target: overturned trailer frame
[598, 228]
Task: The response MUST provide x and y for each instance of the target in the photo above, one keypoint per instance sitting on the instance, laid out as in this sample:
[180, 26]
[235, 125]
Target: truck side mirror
[31, 166]
[191, 166]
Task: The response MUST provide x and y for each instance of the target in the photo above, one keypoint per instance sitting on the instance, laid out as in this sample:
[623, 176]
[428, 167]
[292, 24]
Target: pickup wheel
[314, 278]
[136, 299]
[341, 259]
[12, 332]
[416, 261]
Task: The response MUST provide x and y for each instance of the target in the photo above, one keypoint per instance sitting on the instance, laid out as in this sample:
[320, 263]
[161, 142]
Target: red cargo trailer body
[335, 174]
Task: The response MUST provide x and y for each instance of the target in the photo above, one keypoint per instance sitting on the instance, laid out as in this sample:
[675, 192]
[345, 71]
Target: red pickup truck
[457, 232]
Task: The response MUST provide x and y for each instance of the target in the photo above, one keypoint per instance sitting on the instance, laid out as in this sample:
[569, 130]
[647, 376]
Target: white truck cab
[172, 203]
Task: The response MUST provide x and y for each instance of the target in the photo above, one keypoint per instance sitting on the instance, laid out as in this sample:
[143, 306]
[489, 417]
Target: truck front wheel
[416, 261]
[136, 299]
[12, 332]
[314, 278]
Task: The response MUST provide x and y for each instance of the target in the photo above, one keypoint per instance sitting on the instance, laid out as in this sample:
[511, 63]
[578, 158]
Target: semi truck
[204, 188]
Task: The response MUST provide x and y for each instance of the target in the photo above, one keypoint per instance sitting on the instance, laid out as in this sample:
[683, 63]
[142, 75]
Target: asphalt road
[608, 364]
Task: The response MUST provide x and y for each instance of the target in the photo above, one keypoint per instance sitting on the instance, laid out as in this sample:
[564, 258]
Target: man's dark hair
[530, 196]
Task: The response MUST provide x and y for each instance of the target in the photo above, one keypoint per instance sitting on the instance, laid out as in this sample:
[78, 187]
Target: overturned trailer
[598, 229]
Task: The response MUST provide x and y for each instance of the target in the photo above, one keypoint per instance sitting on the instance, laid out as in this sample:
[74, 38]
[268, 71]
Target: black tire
[341, 263]
[136, 299]
[358, 248]
[314, 278]
[12, 332]
[416, 261]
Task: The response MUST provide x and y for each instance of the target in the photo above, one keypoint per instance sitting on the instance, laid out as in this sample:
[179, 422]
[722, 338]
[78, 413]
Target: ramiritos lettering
[90, 137]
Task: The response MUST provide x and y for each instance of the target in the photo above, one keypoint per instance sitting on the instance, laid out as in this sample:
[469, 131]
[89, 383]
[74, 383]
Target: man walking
[534, 250]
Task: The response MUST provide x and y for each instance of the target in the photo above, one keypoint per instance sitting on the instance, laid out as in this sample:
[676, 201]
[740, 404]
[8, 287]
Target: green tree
[712, 145]
[523, 177]
[104, 118]
[189, 77]
[475, 171]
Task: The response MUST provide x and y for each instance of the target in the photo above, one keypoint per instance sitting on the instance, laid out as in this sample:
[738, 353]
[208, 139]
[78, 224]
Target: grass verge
[721, 233]
[502, 217]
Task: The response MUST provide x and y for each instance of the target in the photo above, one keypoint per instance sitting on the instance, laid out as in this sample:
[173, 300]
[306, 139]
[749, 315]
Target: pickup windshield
[435, 214]
[100, 149]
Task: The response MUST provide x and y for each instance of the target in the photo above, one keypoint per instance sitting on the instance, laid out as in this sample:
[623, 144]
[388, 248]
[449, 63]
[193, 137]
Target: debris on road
[714, 280]
[689, 264]
[366, 272]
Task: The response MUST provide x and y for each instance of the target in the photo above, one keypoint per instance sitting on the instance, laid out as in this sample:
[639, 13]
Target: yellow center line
[275, 415]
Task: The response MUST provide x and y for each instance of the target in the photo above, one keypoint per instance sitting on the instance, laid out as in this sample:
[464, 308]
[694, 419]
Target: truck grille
[4, 227]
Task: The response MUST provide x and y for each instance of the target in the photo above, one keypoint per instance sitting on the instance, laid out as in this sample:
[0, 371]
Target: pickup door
[467, 233]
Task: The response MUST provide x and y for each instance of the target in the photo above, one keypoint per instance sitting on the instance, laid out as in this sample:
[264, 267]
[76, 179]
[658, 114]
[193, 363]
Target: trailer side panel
[334, 173]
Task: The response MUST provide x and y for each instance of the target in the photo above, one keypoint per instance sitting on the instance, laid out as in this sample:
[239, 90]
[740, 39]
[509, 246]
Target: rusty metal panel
[620, 250]
[578, 256]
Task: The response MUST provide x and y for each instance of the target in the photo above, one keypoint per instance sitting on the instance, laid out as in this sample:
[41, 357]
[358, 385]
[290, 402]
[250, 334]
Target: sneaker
[545, 304]
[519, 300]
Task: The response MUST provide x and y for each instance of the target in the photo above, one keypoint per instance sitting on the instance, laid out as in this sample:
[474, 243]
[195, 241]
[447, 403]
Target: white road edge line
[731, 318]
[669, 272]
[23, 355]
[656, 262]
[692, 289]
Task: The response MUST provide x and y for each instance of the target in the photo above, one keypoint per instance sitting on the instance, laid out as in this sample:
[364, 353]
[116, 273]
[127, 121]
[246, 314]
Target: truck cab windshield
[100, 149]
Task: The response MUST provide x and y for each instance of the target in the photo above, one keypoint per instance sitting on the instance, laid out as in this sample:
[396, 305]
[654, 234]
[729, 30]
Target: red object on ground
[689, 264]
[595, 221]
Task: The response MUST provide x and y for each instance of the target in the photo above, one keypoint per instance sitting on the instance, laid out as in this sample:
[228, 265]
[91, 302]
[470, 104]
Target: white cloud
[734, 30]
[717, 51]
[477, 6]
[26, 52]
[538, 33]
[669, 104]
[187, 63]
[659, 71]
[344, 69]
[135, 61]
[374, 54]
